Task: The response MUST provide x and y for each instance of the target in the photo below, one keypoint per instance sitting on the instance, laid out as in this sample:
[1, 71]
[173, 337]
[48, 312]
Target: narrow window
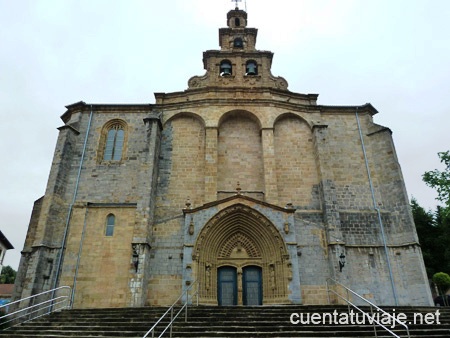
[237, 22]
[225, 68]
[114, 143]
[110, 222]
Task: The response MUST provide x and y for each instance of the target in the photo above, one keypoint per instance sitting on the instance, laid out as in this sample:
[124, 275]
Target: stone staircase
[206, 321]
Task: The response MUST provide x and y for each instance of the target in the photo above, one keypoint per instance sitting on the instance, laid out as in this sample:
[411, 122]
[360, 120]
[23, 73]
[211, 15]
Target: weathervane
[237, 7]
[236, 1]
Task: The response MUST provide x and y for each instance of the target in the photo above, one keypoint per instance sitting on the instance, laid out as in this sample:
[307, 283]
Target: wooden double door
[230, 284]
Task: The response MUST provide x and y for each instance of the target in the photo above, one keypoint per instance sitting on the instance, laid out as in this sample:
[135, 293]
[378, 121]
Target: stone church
[258, 193]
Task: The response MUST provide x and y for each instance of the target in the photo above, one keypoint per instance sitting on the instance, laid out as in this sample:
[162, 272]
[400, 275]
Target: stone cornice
[365, 108]
[392, 246]
[238, 197]
[154, 117]
[232, 53]
[81, 106]
[68, 126]
[237, 103]
[235, 89]
[382, 129]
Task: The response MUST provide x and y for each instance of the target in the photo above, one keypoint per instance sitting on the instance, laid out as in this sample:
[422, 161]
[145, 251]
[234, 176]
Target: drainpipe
[375, 206]
[69, 213]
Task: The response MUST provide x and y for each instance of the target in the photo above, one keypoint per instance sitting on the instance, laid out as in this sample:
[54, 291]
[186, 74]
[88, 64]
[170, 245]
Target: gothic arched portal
[241, 239]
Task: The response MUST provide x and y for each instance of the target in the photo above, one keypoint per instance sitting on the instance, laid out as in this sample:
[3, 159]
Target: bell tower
[238, 63]
[237, 37]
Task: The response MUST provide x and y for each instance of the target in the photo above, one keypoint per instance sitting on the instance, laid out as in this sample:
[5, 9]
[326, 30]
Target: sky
[392, 54]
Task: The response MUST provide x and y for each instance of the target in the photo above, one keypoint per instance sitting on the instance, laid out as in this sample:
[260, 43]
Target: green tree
[433, 229]
[8, 275]
[442, 281]
[440, 180]
[428, 232]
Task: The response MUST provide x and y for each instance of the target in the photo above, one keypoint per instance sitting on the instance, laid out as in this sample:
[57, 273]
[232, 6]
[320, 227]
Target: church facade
[256, 192]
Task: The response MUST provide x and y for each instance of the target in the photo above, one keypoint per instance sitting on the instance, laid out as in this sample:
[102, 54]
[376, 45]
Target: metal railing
[371, 317]
[36, 306]
[171, 311]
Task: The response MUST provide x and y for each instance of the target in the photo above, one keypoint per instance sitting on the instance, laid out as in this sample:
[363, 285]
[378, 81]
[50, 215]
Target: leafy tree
[8, 275]
[442, 281]
[429, 234]
[433, 229]
[440, 180]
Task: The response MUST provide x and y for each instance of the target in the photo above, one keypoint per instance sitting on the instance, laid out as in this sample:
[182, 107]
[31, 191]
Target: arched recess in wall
[297, 175]
[181, 164]
[240, 156]
[240, 236]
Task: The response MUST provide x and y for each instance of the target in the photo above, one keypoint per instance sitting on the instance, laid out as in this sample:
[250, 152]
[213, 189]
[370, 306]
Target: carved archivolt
[239, 245]
[239, 236]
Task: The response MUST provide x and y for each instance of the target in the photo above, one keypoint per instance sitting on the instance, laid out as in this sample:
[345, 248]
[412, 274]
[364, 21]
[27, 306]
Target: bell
[225, 69]
[251, 69]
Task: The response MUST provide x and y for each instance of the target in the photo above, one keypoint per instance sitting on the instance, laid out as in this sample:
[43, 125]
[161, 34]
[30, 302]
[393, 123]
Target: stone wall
[99, 266]
[188, 151]
[240, 153]
[310, 157]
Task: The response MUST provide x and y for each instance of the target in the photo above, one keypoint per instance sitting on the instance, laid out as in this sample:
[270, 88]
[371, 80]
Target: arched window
[110, 223]
[114, 141]
[238, 43]
[225, 68]
[251, 68]
[237, 22]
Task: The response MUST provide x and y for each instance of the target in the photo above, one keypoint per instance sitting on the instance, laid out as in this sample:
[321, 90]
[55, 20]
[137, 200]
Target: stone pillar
[270, 172]
[138, 282]
[43, 245]
[211, 143]
[329, 201]
[189, 271]
[145, 212]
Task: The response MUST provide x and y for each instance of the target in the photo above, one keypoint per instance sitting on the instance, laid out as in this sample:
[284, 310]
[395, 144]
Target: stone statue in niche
[208, 276]
[286, 227]
[191, 228]
[289, 266]
[272, 275]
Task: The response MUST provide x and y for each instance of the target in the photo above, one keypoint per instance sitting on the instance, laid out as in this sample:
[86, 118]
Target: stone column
[211, 144]
[43, 246]
[329, 201]
[270, 172]
[145, 211]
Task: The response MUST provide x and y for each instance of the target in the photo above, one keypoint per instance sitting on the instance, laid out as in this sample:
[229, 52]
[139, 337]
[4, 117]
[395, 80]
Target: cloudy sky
[394, 54]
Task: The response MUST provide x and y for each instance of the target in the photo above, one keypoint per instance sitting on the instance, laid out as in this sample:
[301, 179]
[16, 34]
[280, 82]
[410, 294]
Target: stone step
[203, 321]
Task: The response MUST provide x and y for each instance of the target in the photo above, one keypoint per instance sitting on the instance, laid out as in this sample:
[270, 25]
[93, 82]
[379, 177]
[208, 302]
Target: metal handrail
[42, 308]
[366, 314]
[171, 310]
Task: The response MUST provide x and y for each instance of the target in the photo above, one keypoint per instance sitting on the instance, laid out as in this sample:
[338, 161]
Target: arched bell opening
[226, 68]
[251, 68]
[241, 259]
[238, 43]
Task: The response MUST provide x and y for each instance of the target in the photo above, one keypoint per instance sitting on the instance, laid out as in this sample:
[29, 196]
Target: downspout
[375, 206]
[69, 213]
